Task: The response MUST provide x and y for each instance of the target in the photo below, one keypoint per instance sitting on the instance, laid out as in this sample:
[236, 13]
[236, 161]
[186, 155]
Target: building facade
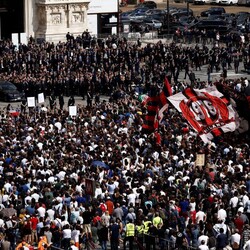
[51, 20]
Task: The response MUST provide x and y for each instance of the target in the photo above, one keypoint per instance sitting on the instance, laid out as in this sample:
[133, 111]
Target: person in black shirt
[161, 235]
[61, 101]
[103, 236]
[52, 102]
[71, 101]
[114, 230]
[89, 99]
[56, 237]
[150, 237]
[222, 240]
[87, 218]
[192, 78]
[23, 106]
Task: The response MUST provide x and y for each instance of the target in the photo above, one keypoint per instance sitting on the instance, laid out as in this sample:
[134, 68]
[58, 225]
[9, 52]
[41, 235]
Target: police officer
[129, 234]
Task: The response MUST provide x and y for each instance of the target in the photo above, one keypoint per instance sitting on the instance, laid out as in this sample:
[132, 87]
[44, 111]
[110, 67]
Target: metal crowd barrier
[163, 244]
[154, 37]
[160, 244]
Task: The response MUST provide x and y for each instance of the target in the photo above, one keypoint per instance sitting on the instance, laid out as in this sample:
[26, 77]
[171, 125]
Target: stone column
[28, 17]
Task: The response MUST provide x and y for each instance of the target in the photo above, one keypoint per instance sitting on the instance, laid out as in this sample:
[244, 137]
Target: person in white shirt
[58, 207]
[131, 197]
[61, 175]
[222, 214]
[220, 225]
[64, 222]
[35, 195]
[7, 186]
[41, 211]
[245, 199]
[2, 223]
[234, 202]
[203, 246]
[66, 236]
[75, 234]
[247, 245]
[101, 175]
[235, 238]
[203, 238]
[98, 192]
[51, 179]
[51, 213]
[5, 198]
[200, 216]
[27, 200]
[58, 222]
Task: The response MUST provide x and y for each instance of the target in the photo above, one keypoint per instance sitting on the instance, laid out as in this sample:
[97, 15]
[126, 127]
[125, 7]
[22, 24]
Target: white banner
[207, 111]
[31, 102]
[23, 38]
[41, 98]
[14, 39]
[72, 110]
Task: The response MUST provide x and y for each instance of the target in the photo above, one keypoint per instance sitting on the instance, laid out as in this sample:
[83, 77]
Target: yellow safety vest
[130, 229]
[157, 220]
[146, 227]
[140, 229]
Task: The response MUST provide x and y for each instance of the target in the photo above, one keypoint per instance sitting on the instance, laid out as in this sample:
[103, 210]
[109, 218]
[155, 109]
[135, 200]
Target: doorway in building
[11, 17]
[107, 23]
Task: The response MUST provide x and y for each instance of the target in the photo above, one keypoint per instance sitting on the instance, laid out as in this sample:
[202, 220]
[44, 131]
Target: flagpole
[168, 16]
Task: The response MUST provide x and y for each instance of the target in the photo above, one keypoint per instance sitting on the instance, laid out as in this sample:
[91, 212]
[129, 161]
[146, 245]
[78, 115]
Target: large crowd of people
[146, 194]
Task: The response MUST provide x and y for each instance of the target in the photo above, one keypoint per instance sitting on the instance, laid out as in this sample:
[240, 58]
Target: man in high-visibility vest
[157, 221]
[140, 232]
[146, 224]
[129, 234]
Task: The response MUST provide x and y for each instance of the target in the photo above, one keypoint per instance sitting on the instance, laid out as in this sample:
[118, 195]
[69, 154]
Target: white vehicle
[153, 23]
[228, 2]
[215, 1]
[202, 2]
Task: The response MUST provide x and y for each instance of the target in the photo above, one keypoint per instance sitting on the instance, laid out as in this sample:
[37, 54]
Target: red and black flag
[151, 115]
[163, 101]
[156, 106]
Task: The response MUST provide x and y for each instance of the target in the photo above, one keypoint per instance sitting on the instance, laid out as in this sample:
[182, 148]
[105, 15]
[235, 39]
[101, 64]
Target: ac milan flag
[163, 101]
[149, 123]
[156, 106]
[207, 111]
